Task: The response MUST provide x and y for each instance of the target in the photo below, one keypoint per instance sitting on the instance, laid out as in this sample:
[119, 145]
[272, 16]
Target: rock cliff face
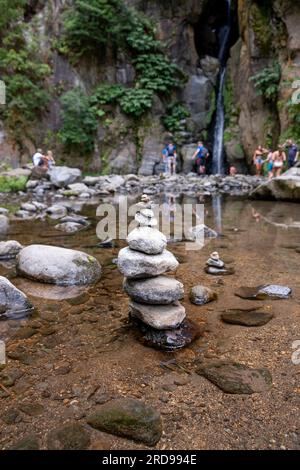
[188, 29]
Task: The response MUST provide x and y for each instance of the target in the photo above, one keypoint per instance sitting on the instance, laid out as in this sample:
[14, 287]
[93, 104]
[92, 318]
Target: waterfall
[218, 147]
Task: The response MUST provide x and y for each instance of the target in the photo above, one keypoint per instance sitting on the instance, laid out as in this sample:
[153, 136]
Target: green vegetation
[176, 112]
[267, 82]
[80, 121]
[22, 71]
[10, 184]
[293, 131]
[260, 22]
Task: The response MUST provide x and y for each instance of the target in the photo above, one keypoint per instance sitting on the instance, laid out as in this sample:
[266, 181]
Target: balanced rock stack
[154, 297]
[217, 267]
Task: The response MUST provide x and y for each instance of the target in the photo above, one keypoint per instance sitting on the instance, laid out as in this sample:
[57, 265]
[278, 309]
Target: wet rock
[9, 249]
[69, 437]
[251, 317]
[232, 377]
[161, 317]
[28, 207]
[4, 223]
[219, 271]
[160, 290]
[129, 418]
[78, 188]
[57, 212]
[147, 240]
[13, 303]
[69, 227]
[134, 264]
[32, 409]
[8, 378]
[267, 291]
[201, 295]
[30, 442]
[25, 332]
[54, 265]
[215, 261]
[169, 340]
[62, 176]
[4, 211]
[77, 219]
[11, 416]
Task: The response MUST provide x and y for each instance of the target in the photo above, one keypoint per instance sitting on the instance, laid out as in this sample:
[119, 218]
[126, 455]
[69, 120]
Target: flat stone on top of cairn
[154, 307]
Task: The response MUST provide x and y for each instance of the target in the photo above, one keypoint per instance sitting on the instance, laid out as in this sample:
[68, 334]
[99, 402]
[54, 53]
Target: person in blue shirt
[201, 156]
[292, 152]
[169, 157]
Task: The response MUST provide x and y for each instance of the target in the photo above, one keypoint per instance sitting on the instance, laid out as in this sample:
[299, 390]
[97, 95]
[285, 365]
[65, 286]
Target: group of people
[287, 154]
[43, 161]
[200, 157]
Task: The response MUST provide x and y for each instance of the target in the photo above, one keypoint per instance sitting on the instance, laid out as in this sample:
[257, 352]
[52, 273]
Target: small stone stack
[154, 296]
[217, 267]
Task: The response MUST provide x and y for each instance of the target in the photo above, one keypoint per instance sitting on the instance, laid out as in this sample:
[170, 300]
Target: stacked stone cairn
[217, 267]
[154, 305]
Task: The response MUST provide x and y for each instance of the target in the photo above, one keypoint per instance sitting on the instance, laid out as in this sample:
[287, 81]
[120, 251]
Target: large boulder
[152, 155]
[54, 265]
[4, 223]
[187, 153]
[62, 176]
[13, 303]
[285, 187]
[197, 95]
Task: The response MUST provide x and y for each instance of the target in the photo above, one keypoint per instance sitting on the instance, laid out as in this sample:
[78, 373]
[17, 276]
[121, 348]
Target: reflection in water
[217, 211]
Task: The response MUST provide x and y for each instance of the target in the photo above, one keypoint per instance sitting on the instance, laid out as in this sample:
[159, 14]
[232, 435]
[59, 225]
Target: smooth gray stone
[201, 295]
[161, 290]
[161, 317]
[55, 265]
[9, 249]
[137, 265]
[147, 240]
[13, 303]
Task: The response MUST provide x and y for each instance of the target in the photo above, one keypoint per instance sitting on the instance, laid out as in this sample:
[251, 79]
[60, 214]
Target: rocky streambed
[76, 360]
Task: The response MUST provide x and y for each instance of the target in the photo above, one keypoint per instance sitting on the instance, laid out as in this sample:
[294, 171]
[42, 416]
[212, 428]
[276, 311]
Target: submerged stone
[134, 264]
[55, 265]
[251, 317]
[219, 271]
[69, 437]
[9, 249]
[161, 290]
[200, 295]
[267, 291]
[129, 418]
[160, 317]
[13, 303]
[235, 378]
[172, 339]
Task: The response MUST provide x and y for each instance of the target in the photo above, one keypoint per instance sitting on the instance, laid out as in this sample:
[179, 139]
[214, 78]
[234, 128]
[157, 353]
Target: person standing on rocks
[258, 159]
[279, 158]
[38, 158]
[292, 152]
[201, 155]
[50, 159]
[170, 156]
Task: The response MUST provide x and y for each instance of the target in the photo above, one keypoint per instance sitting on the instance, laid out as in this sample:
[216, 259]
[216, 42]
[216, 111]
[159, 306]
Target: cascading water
[218, 147]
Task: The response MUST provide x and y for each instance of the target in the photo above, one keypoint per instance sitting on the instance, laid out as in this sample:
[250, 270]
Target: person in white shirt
[38, 158]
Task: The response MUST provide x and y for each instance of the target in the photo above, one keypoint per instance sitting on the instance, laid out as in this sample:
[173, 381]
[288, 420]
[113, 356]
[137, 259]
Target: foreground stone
[147, 240]
[134, 264]
[30, 442]
[267, 291]
[201, 295]
[61, 266]
[172, 339]
[232, 377]
[161, 290]
[251, 317]
[130, 418]
[285, 187]
[4, 223]
[63, 176]
[69, 437]
[13, 303]
[161, 317]
[9, 249]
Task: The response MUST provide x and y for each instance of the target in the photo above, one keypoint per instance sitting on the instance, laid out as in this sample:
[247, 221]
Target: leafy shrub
[175, 114]
[157, 73]
[10, 184]
[267, 82]
[107, 94]
[136, 101]
[80, 122]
